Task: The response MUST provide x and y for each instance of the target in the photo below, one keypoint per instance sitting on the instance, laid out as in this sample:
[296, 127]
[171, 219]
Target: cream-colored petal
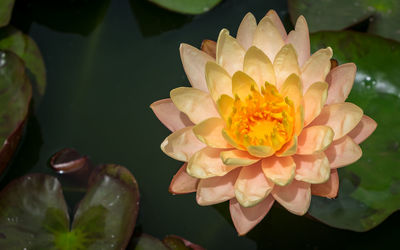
[295, 197]
[341, 117]
[181, 144]
[314, 139]
[314, 101]
[316, 68]
[328, 189]
[218, 81]
[196, 104]
[313, 169]
[225, 106]
[246, 218]
[260, 151]
[289, 148]
[242, 85]
[340, 80]
[207, 163]
[292, 88]
[182, 183]
[258, 66]
[277, 22]
[209, 47]
[170, 115]
[252, 186]
[268, 38]
[246, 31]
[236, 157]
[300, 39]
[363, 129]
[230, 53]
[194, 61]
[210, 133]
[299, 119]
[343, 152]
[280, 170]
[285, 64]
[216, 189]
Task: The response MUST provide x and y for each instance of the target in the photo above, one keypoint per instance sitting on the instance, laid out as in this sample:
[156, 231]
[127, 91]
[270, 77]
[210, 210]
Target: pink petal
[268, 38]
[313, 169]
[209, 47]
[314, 139]
[340, 81]
[182, 183]
[300, 40]
[295, 197]
[343, 152]
[328, 189]
[246, 31]
[169, 115]
[363, 129]
[316, 68]
[246, 218]
[216, 189]
[194, 62]
[277, 22]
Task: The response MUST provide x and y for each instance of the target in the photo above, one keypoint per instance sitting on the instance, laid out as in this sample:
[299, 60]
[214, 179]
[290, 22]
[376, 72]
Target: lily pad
[170, 242]
[369, 189]
[383, 16]
[187, 6]
[15, 97]
[34, 215]
[22, 45]
[6, 7]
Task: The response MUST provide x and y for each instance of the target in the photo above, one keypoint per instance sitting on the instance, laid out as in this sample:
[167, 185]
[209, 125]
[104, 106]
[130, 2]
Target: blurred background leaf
[6, 7]
[193, 7]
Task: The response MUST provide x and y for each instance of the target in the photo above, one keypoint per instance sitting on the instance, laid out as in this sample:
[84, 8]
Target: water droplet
[2, 58]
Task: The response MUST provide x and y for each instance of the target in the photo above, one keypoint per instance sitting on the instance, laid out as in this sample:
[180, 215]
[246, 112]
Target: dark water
[102, 76]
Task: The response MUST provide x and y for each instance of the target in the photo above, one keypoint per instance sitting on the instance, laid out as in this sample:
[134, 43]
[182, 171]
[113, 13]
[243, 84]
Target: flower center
[265, 118]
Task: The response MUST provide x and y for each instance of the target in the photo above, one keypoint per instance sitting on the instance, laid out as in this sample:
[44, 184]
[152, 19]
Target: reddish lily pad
[170, 242]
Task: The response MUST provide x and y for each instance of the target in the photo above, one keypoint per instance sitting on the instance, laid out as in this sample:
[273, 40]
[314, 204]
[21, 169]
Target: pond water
[101, 81]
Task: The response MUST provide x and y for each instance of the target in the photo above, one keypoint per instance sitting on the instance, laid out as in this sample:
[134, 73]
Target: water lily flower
[263, 121]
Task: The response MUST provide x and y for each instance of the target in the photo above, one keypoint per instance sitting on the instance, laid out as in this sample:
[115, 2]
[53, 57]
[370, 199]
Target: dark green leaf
[384, 16]
[6, 7]
[370, 188]
[187, 6]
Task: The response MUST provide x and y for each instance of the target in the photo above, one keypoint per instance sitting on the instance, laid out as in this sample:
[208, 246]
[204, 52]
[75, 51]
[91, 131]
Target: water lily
[263, 121]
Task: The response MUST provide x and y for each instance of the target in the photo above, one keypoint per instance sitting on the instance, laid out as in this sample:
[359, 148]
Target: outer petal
[295, 197]
[207, 163]
[196, 104]
[268, 38]
[363, 129]
[181, 144]
[245, 218]
[314, 101]
[257, 65]
[280, 170]
[194, 62]
[313, 169]
[251, 186]
[277, 22]
[216, 189]
[210, 132]
[182, 183]
[328, 189]
[230, 53]
[169, 115]
[236, 157]
[285, 64]
[340, 80]
[316, 68]
[343, 152]
[246, 31]
[218, 81]
[209, 47]
[341, 117]
[300, 40]
[314, 139]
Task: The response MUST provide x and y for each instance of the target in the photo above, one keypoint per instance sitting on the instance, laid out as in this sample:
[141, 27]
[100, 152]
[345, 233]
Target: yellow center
[265, 118]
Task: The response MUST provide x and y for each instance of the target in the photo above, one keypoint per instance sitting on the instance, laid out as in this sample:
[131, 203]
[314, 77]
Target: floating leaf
[34, 215]
[15, 97]
[170, 242]
[383, 16]
[187, 6]
[148, 242]
[6, 7]
[370, 188]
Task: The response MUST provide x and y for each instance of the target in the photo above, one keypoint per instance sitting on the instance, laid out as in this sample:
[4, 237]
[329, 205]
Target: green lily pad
[15, 97]
[6, 7]
[369, 189]
[383, 16]
[187, 6]
[34, 215]
[22, 45]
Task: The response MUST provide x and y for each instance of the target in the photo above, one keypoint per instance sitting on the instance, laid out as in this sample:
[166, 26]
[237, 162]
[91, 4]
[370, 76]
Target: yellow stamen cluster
[264, 118]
